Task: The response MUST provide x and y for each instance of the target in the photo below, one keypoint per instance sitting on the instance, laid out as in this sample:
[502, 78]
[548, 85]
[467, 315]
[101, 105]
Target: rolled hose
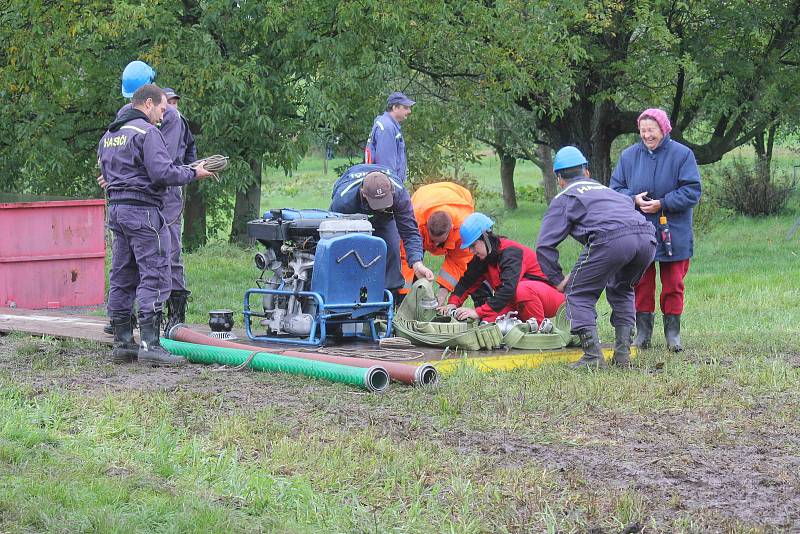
[422, 375]
[374, 378]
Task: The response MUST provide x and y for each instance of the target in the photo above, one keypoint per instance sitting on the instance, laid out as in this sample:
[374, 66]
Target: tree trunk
[194, 217]
[507, 165]
[763, 147]
[248, 205]
[592, 128]
[545, 160]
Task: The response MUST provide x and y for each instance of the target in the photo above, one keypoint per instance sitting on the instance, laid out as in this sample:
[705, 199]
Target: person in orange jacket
[440, 208]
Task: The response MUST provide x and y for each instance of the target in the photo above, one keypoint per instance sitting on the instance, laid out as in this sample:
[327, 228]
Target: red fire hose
[423, 375]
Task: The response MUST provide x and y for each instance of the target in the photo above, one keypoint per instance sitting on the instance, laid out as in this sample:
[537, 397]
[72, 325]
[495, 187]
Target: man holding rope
[180, 145]
[138, 168]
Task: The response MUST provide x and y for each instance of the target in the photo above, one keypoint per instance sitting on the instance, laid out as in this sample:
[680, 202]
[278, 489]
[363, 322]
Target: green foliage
[464, 179]
[530, 193]
[746, 189]
[262, 81]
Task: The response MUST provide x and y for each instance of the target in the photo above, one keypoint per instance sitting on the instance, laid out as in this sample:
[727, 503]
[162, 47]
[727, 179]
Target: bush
[465, 180]
[530, 193]
[744, 189]
[708, 214]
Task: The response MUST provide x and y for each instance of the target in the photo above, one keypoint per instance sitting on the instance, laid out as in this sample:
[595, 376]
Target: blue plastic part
[347, 286]
[136, 74]
[291, 214]
[473, 227]
[350, 269]
[326, 314]
[568, 157]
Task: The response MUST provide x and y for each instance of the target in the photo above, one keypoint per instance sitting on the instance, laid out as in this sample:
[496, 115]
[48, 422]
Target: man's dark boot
[672, 331]
[150, 349]
[125, 348]
[109, 328]
[622, 346]
[644, 329]
[592, 353]
[176, 308]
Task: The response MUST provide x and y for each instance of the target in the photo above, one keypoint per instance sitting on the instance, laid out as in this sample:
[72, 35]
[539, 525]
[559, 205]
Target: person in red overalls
[509, 268]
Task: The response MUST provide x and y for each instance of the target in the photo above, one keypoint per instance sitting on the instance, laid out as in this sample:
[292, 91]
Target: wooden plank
[62, 325]
[53, 323]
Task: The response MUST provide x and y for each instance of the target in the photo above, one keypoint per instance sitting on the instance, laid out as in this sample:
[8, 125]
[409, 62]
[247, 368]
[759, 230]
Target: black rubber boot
[150, 349]
[644, 329]
[176, 308]
[592, 353]
[125, 348]
[622, 346]
[109, 328]
[672, 332]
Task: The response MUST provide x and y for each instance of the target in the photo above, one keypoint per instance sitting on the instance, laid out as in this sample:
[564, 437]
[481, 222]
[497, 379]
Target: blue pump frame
[325, 313]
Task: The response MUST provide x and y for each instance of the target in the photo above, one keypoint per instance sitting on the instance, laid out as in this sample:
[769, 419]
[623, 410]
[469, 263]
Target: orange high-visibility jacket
[455, 201]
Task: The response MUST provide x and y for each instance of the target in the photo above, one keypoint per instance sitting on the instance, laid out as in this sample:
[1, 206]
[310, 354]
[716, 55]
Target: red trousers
[533, 299]
[672, 274]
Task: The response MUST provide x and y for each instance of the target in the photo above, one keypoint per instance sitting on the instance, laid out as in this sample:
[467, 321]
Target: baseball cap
[377, 189]
[171, 93]
[399, 98]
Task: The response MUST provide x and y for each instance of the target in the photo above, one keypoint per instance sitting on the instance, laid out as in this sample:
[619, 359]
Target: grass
[703, 441]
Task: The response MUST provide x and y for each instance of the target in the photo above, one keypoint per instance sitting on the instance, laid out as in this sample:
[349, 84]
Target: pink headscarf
[658, 115]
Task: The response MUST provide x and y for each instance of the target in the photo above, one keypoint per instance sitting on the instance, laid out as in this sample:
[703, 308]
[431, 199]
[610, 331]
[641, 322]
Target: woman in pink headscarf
[662, 178]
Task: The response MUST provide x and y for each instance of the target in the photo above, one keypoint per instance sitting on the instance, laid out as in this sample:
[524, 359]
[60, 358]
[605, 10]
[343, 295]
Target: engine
[292, 292]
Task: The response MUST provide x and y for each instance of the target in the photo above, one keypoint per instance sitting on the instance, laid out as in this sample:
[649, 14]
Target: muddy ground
[730, 473]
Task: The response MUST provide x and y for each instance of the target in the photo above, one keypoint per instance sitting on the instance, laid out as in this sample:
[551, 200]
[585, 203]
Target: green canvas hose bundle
[417, 321]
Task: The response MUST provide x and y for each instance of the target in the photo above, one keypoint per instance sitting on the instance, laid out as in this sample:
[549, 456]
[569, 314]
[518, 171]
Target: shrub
[708, 214]
[745, 189]
[530, 193]
[465, 180]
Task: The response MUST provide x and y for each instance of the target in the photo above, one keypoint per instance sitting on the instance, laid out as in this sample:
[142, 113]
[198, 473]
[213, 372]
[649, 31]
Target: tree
[724, 71]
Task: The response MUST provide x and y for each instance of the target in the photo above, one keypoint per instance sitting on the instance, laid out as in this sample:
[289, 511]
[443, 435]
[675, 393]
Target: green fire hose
[372, 378]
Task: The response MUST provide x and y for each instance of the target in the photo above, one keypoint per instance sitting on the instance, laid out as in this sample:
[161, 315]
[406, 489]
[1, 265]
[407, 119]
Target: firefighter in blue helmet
[138, 169]
[180, 145]
[375, 191]
[619, 245]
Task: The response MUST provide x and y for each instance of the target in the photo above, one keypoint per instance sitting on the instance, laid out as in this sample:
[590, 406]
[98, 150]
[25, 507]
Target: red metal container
[52, 252]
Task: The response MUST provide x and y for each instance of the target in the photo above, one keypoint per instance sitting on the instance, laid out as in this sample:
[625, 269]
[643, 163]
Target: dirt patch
[754, 478]
[682, 463]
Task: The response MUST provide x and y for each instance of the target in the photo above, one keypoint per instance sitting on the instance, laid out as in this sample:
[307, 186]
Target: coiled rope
[213, 164]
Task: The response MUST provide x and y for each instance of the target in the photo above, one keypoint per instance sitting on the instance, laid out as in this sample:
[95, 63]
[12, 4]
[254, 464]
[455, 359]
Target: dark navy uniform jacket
[347, 198]
[387, 146]
[136, 163]
[669, 174]
[180, 145]
[589, 212]
[175, 129]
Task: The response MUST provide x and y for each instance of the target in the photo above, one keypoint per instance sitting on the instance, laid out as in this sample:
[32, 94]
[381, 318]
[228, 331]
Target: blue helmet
[473, 227]
[135, 75]
[568, 157]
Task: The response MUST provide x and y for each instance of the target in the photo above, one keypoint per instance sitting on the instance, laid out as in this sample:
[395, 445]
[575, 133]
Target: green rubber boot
[672, 332]
[592, 353]
[176, 308]
[150, 350]
[623, 335]
[644, 329]
[125, 348]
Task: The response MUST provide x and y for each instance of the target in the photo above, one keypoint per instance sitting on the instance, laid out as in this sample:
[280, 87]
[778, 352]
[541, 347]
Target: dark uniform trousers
[614, 262]
[140, 265]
